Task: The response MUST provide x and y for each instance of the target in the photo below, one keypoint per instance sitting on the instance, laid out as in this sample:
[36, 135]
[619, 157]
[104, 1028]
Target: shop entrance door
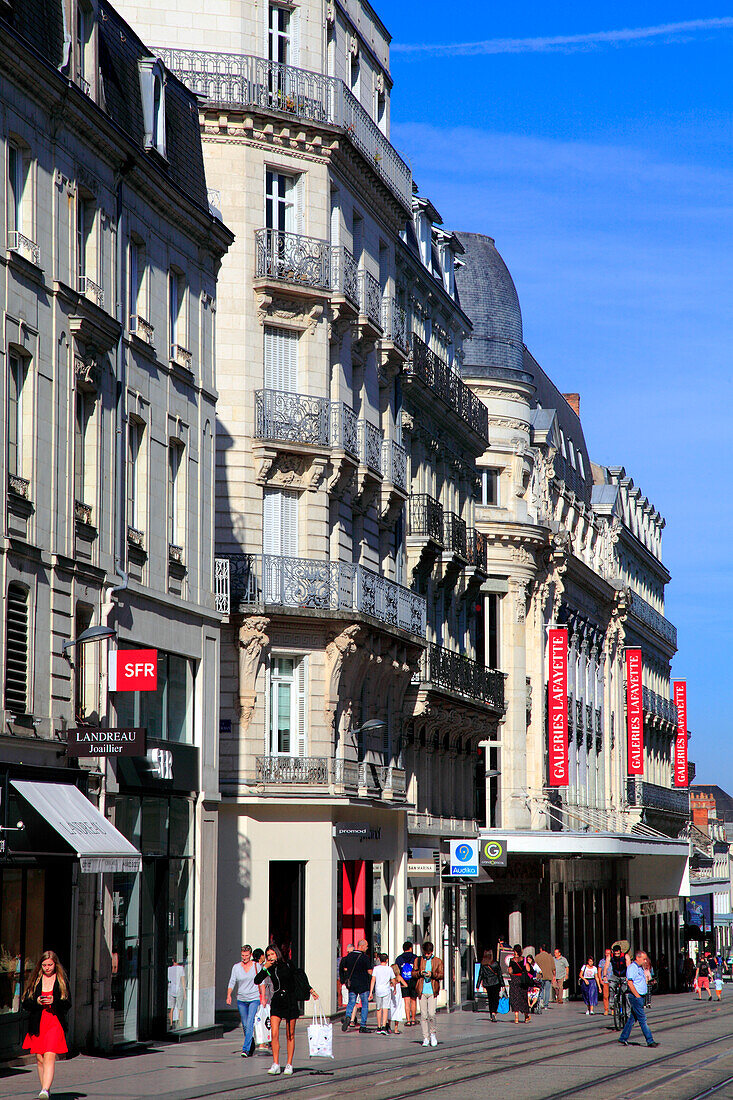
[153, 963]
[287, 908]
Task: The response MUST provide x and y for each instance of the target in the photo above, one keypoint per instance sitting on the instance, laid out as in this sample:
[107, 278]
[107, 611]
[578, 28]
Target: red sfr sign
[133, 670]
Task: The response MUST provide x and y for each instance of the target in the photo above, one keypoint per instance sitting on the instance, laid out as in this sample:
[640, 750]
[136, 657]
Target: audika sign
[464, 858]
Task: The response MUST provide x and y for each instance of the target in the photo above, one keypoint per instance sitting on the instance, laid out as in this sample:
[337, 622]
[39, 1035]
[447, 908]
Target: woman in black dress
[283, 1005]
[518, 993]
[491, 981]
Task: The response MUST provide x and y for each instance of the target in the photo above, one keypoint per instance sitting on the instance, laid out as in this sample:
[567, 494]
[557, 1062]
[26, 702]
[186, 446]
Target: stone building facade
[109, 264]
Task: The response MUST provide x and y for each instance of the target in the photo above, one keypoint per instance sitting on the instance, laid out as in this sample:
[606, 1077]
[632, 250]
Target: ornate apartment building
[109, 264]
[573, 544]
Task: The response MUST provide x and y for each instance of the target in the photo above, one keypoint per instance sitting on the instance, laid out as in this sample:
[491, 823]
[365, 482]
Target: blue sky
[593, 142]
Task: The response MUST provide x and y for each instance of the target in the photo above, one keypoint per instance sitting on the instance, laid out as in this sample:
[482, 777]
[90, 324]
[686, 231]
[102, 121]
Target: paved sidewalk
[173, 1071]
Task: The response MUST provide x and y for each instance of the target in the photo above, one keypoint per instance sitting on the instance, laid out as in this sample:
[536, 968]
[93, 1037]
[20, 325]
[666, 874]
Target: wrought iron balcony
[83, 83]
[650, 617]
[346, 773]
[344, 273]
[240, 81]
[443, 668]
[394, 323]
[652, 796]
[181, 356]
[292, 417]
[293, 258]
[344, 428]
[370, 298]
[222, 590]
[370, 446]
[142, 328]
[425, 517]
[567, 473]
[426, 366]
[311, 585]
[658, 706]
[285, 770]
[91, 290]
[25, 247]
[454, 534]
[394, 464]
[476, 549]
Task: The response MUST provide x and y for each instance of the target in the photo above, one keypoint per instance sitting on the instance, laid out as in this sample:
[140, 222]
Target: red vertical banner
[557, 705]
[679, 691]
[634, 713]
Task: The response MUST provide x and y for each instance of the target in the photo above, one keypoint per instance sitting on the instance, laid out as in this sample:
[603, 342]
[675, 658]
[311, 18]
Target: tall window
[278, 38]
[354, 74]
[137, 277]
[83, 666]
[135, 431]
[17, 370]
[281, 359]
[84, 223]
[490, 486]
[167, 712]
[83, 412]
[287, 706]
[175, 461]
[176, 293]
[17, 175]
[280, 198]
[81, 41]
[16, 652]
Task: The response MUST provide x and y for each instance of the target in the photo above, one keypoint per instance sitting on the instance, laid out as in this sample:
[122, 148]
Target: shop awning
[99, 845]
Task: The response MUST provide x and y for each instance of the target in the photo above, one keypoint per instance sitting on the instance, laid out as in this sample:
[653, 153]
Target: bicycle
[620, 1004]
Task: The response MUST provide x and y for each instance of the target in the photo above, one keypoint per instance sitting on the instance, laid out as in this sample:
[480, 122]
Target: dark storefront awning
[99, 845]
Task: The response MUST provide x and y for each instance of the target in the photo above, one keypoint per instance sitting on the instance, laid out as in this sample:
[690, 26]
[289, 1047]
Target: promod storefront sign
[116, 742]
[557, 705]
[634, 713]
[679, 693]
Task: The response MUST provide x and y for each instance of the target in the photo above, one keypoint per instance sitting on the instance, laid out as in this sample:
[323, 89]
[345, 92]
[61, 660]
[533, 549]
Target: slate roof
[40, 23]
[723, 801]
[490, 299]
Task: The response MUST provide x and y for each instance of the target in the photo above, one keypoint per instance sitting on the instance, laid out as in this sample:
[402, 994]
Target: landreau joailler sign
[557, 708]
[634, 713]
[96, 742]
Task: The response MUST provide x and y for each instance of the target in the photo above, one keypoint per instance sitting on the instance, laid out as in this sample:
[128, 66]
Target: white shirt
[176, 976]
[382, 975]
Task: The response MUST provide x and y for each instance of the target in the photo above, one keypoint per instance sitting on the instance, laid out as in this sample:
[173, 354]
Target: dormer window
[424, 238]
[152, 89]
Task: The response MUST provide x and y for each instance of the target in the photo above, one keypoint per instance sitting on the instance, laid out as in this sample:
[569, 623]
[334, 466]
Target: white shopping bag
[396, 1005]
[320, 1035]
[262, 1025]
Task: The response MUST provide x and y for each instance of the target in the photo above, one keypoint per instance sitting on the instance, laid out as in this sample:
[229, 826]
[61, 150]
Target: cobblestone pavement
[562, 1053]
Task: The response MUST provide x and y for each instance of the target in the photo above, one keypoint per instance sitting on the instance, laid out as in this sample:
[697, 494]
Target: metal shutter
[16, 652]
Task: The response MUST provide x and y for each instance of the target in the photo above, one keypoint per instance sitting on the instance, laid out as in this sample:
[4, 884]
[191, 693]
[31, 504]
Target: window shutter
[281, 360]
[299, 202]
[272, 521]
[294, 28]
[16, 651]
[300, 685]
[289, 524]
[267, 18]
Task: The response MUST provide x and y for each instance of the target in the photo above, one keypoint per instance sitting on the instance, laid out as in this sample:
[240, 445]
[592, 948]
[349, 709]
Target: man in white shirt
[381, 988]
[636, 981]
[176, 993]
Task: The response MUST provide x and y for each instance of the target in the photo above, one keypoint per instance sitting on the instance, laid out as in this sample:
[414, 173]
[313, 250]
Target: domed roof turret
[489, 297]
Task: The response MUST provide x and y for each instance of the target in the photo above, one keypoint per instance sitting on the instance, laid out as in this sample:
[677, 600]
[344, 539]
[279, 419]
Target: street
[560, 1054]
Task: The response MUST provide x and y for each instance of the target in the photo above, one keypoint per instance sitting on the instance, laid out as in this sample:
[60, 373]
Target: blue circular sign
[464, 853]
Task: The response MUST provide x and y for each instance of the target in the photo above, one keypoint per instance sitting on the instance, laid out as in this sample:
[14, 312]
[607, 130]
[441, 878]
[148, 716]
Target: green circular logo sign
[493, 849]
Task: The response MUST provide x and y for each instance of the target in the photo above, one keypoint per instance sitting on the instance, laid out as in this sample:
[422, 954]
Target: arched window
[16, 650]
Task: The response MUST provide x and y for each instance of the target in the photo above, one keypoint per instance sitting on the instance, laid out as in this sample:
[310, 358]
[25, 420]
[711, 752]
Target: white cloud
[566, 43]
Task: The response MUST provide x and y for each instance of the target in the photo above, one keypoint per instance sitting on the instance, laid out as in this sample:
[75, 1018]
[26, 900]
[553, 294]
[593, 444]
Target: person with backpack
[403, 967]
[702, 977]
[491, 980]
[290, 984]
[356, 974]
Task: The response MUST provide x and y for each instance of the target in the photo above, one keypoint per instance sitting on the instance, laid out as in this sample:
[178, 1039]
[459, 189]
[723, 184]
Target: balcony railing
[454, 534]
[142, 328]
[476, 549]
[447, 384]
[83, 83]
[344, 273]
[455, 672]
[370, 446]
[658, 706]
[292, 417]
[344, 428]
[320, 771]
[181, 356]
[650, 617]
[425, 517]
[240, 80]
[91, 290]
[313, 585]
[652, 796]
[293, 258]
[370, 298]
[222, 591]
[567, 473]
[394, 323]
[394, 464]
[25, 247]
[293, 769]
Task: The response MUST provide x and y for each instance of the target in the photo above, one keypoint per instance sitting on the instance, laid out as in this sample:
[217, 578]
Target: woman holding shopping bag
[284, 1005]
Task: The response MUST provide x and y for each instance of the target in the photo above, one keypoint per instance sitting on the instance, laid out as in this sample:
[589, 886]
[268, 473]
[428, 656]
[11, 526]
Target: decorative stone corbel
[251, 641]
[338, 649]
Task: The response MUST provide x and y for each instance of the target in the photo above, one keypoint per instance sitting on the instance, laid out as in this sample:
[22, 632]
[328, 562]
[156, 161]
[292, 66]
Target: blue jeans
[546, 991]
[636, 1004]
[364, 998]
[247, 1013]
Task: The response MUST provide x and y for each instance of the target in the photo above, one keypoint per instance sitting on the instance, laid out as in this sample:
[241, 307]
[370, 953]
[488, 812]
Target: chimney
[702, 806]
[573, 400]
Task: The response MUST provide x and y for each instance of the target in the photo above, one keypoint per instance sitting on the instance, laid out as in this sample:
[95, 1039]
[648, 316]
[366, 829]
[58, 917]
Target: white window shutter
[289, 524]
[301, 703]
[299, 201]
[266, 21]
[281, 359]
[272, 521]
[294, 27]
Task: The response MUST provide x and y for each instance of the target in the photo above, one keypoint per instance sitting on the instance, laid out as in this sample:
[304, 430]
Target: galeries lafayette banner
[634, 714]
[557, 705]
[679, 691]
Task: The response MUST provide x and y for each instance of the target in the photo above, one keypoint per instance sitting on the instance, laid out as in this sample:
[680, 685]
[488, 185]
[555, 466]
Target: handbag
[262, 1025]
[525, 981]
[503, 1005]
[320, 1035]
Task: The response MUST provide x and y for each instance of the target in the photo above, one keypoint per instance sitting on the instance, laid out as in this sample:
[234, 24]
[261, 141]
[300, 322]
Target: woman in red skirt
[47, 1001]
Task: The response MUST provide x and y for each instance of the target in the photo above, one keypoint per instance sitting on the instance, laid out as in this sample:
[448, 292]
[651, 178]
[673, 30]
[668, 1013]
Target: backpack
[301, 985]
[406, 971]
[703, 969]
